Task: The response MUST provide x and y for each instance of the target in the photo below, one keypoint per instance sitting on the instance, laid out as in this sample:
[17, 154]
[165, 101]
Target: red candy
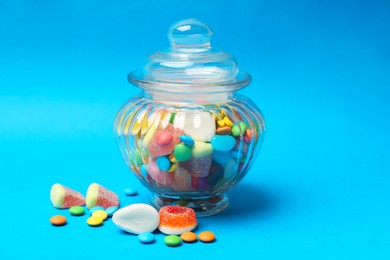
[175, 220]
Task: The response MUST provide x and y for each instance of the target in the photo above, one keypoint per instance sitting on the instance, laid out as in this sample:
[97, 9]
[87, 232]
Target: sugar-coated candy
[198, 124]
[248, 136]
[146, 237]
[154, 149]
[130, 191]
[223, 142]
[187, 140]
[100, 214]
[98, 195]
[182, 152]
[164, 138]
[199, 164]
[188, 237]
[227, 121]
[58, 220]
[93, 209]
[161, 177]
[172, 240]
[111, 210]
[137, 218]
[163, 163]
[206, 236]
[63, 197]
[226, 130]
[94, 221]
[175, 220]
[236, 130]
[77, 210]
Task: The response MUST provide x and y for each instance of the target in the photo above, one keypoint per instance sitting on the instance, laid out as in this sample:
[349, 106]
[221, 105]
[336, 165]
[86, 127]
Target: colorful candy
[130, 191]
[98, 195]
[187, 140]
[164, 138]
[175, 220]
[137, 218]
[163, 163]
[223, 142]
[206, 236]
[58, 220]
[200, 125]
[111, 210]
[100, 214]
[64, 197]
[93, 209]
[182, 152]
[172, 240]
[188, 237]
[200, 162]
[146, 237]
[77, 210]
[94, 221]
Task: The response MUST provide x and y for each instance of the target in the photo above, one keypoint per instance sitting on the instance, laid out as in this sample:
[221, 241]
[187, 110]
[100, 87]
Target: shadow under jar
[188, 136]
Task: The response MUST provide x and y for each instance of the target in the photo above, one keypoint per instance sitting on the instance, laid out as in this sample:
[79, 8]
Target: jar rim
[138, 79]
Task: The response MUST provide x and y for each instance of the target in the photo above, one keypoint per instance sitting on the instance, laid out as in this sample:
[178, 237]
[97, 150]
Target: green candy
[243, 127]
[236, 130]
[172, 117]
[182, 152]
[172, 240]
[77, 210]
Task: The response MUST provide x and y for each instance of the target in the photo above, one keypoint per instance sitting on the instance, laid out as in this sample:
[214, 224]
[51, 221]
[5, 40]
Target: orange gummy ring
[175, 220]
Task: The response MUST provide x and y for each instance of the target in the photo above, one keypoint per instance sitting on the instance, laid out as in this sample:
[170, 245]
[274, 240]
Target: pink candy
[164, 138]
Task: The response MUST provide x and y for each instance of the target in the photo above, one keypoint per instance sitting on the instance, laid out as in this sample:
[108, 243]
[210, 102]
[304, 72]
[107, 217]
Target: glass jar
[188, 136]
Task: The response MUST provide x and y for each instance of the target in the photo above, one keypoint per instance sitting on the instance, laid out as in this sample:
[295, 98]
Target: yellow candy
[221, 123]
[172, 158]
[100, 214]
[94, 221]
[173, 167]
[227, 121]
[136, 128]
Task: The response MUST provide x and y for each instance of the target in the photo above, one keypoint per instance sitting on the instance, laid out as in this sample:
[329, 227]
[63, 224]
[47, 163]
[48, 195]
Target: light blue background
[320, 188]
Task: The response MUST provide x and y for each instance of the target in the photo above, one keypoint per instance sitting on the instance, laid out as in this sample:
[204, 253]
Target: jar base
[203, 207]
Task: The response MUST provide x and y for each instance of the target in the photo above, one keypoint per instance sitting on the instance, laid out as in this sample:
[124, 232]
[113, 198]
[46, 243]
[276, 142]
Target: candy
[221, 157]
[182, 180]
[172, 240]
[230, 169]
[248, 136]
[154, 149]
[98, 195]
[188, 237]
[63, 197]
[223, 142]
[242, 126]
[146, 237]
[164, 138]
[100, 214]
[161, 177]
[199, 183]
[227, 121]
[226, 130]
[58, 220]
[138, 157]
[206, 236]
[200, 125]
[200, 162]
[236, 154]
[236, 130]
[187, 140]
[143, 170]
[221, 123]
[94, 221]
[137, 218]
[111, 210]
[77, 210]
[93, 209]
[163, 163]
[175, 220]
[182, 152]
[130, 191]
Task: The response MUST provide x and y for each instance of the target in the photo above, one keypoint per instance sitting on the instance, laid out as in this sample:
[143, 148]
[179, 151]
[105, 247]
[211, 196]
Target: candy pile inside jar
[188, 150]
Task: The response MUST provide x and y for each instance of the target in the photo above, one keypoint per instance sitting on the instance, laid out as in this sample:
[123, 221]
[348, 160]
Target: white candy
[200, 125]
[137, 218]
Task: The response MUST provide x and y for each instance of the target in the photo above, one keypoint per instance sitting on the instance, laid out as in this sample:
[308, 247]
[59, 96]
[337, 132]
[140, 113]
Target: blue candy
[130, 191]
[146, 237]
[93, 209]
[143, 170]
[163, 163]
[223, 142]
[236, 154]
[111, 210]
[221, 157]
[187, 140]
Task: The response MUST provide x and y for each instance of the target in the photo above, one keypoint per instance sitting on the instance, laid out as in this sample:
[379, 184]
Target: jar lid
[190, 63]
